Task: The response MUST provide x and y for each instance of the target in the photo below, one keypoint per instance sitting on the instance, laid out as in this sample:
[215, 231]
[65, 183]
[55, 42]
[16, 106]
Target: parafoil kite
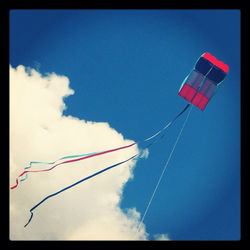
[197, 88]
[203, 81]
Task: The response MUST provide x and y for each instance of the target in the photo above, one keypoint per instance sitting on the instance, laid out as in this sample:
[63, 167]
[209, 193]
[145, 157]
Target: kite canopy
[203, 81]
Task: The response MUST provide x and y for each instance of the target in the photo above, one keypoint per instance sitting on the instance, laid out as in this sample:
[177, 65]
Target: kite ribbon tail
[14, 186]
[68, 161]
[169, 124]
[74, 184]
[31, 215]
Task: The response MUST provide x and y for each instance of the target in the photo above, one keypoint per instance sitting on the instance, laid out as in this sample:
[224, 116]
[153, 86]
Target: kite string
[163, 171]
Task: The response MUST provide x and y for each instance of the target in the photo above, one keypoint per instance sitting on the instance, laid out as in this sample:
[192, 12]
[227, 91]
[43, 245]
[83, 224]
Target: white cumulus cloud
[40, 132]
[161, 237]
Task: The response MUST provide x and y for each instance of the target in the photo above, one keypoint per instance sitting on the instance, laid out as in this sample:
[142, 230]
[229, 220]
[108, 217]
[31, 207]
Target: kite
[203, 81]
[197, 88]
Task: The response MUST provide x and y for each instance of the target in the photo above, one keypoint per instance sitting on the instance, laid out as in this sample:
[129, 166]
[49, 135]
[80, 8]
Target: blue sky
[126, 67]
